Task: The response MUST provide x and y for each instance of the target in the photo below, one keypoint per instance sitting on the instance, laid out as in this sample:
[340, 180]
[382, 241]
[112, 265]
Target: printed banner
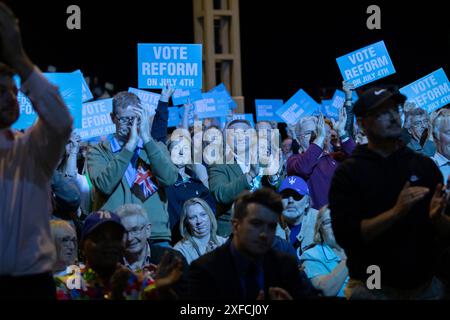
[96, 120]
[300, 105]
[174, 65]
[366, 65]
[266, 109]
[430, 92]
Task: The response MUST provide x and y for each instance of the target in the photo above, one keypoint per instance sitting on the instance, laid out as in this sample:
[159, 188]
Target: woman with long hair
[198, 228]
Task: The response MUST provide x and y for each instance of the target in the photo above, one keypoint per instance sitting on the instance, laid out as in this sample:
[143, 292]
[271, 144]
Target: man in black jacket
[247, 268]
[387, 207]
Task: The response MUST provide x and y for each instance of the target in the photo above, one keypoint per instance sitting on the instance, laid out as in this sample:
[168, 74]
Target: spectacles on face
[287, 193]
[385, 112]
[126, 120]
[325, 222]
[423, 123]
[136, 230]
[68, 239]
[306, 134]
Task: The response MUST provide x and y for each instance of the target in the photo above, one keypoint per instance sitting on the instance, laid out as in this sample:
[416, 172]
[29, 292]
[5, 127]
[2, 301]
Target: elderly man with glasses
[417, 124]
[135, 166]
[139, 253]
[441, 133]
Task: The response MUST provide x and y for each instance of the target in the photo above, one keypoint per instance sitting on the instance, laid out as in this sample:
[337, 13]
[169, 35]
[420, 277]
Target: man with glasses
[316, 165]
[103, 277]
[441, 132]
[134, 167]
[139, 253]
[297, 211]
[386, 205]
[417, 123]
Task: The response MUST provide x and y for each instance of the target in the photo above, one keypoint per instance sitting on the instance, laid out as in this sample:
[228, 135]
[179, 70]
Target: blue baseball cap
[98, 218]
[294, 183]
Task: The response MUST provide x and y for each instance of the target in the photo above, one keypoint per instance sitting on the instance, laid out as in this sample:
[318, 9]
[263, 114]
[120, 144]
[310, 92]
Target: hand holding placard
[348, 87]
[166, 93]
[74, 143]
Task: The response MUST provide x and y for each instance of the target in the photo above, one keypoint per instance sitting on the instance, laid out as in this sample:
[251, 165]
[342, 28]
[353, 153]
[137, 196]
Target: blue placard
[148, 99]
[180, 96]
[27, 115]
[85, 91]
[266, 109]
[222, 89]
[175, 65]
[366, 65]
[174, 117]
[213, 105]
[244, 116]
[300, 105]
[430, 92]
[96, 121]
[69, 85]
[328, 110]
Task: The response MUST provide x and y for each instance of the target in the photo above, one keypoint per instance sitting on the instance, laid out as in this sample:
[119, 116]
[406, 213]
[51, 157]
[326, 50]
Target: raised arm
[161, 118]
[49, 135]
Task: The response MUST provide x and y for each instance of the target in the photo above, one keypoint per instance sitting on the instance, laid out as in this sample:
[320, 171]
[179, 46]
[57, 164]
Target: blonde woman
[198, 228]
[324, 261]
[65, 240]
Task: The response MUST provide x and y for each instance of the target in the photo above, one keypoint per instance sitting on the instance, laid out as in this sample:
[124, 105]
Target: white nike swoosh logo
[379, 92]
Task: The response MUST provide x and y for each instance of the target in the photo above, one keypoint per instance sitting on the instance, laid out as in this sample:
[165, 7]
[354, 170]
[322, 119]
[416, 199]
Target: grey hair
[414, 113]
[320, 216]
[132, 209]
[439, 117]
[300, 123]
[57, 226]
[124, 99]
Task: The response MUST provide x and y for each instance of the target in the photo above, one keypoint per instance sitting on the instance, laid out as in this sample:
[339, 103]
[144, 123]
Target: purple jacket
[317, 169]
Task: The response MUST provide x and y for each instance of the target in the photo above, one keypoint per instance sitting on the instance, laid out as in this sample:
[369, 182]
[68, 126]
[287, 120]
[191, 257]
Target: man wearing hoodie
[387, 206]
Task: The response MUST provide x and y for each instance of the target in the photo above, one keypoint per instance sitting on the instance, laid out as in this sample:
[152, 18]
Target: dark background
[286, 45]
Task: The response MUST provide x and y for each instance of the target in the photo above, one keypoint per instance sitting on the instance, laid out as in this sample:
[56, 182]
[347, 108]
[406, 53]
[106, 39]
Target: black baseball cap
[373, 98]
[98, 218]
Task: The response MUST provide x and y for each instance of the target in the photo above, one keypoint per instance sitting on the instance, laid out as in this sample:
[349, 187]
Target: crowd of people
[136, 216]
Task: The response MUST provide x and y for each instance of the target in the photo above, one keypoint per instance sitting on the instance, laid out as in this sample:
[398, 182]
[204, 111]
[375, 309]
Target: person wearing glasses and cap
[297, 211]
[102, 276]
[387, 207]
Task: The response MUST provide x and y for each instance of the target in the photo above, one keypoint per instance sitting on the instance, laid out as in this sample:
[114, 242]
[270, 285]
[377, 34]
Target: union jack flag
[143, 180]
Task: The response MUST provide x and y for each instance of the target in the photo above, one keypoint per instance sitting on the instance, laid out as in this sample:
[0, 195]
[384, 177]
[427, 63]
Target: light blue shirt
[321, 260]
[443, 164]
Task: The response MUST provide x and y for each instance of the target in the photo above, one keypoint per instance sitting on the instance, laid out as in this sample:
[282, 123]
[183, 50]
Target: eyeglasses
[68, 239]
[287, 193]
[126, 120]
[326, 222]
[136, 230]
[424, 123]
[385, 112]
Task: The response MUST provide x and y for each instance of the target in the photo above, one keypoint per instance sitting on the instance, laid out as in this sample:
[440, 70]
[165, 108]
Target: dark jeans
[30, 287]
